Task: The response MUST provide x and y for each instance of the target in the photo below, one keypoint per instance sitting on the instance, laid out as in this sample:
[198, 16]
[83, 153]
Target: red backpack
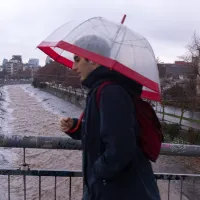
[151, 136]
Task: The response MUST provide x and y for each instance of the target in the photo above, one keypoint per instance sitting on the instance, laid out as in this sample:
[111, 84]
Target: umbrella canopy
[109, 44]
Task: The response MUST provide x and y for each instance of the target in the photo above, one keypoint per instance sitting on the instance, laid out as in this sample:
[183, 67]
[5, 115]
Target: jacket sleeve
[117, 133]
[75, 131]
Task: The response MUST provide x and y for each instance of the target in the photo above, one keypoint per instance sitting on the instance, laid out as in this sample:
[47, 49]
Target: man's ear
[90, 61]
[94, 64]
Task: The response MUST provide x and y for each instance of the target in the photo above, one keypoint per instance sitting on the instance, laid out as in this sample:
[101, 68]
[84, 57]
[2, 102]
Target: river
[33, 112]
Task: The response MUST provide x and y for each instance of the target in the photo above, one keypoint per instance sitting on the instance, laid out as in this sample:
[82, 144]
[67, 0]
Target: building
[4, 61]
[15, 67]
[12, 67]
[27, 66]
[2, 75]
[16, 59]
[34, 62]
[183, 63]
[48, 60]
[32, 68]
[9, 68]
[198, 74]
[176, 70]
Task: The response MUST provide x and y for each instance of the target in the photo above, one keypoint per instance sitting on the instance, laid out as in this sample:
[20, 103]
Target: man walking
[114, 165]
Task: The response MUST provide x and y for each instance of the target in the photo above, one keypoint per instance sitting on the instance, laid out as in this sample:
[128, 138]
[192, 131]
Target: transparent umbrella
[110, 44]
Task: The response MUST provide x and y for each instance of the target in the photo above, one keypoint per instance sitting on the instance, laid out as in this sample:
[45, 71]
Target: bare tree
[182, 95]
[158, 60]
[58, 74]
[163, 102]
[188, 99]
[192, 54]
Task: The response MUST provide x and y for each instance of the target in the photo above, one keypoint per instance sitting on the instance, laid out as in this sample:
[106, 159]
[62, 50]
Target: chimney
[198, 49]
[194, 60]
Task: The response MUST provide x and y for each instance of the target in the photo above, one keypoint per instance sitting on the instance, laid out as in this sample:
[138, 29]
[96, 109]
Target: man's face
[83, 67]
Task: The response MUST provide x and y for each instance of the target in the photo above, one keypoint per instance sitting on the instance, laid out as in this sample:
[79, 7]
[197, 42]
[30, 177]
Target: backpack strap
[98, 94]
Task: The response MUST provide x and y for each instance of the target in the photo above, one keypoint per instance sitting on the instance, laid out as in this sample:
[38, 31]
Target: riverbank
[179, 117]
[78, 98]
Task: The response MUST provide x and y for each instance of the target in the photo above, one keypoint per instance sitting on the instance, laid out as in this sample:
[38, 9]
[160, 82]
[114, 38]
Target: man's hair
[94, 44]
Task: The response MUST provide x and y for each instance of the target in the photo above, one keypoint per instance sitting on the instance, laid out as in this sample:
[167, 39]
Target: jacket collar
[101, 74]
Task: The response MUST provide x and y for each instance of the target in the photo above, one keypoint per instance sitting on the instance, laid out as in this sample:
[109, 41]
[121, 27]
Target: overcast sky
[167, 24]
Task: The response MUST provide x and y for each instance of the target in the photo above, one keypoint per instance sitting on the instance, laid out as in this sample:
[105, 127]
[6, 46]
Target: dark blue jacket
[114, 166]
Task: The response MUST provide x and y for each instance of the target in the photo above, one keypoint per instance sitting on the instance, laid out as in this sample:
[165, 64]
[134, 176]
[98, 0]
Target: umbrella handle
[123, 19]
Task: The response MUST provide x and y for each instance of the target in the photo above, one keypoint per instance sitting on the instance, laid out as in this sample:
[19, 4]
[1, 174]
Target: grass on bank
[174, 134]
[184, 118]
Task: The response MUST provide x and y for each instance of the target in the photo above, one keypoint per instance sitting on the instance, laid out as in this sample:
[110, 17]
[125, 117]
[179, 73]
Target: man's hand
[66, 124]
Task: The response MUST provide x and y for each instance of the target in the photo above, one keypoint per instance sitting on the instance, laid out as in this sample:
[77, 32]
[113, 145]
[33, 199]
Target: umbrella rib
[105, 28]
[96, 28]
[116, 35]
[133, 51]
[71, 32]
[60, 55]
[78, 26]
[144, 47]
[134, 40]
[121, 43]
[57, 29]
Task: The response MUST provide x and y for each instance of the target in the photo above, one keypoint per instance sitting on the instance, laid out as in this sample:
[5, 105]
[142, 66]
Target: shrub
[193, 136]
[173, 130]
